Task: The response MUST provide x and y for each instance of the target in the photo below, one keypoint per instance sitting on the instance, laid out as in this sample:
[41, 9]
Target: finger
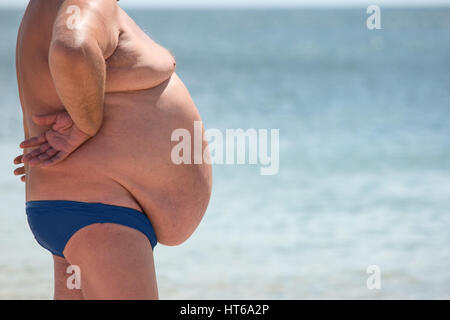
[60, 156]
[45, 120]
[18, 159]
[32, 157]
[33, 142]
[23, 178]
[43, 157]
[19, 171]
[45, 147]
[36, 153]
[35, 162]
[51, 152]
[39, 159]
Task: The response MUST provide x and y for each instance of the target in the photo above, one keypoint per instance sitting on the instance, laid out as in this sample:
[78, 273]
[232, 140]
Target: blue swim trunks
[53, 223]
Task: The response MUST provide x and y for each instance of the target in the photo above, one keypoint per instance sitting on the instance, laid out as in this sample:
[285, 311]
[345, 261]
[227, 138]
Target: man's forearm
[79, 76]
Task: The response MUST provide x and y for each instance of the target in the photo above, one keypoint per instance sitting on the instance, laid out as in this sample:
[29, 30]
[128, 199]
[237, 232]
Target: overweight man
[100, 101]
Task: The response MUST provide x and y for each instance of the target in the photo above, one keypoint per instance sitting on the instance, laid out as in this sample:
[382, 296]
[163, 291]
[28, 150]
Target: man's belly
[129, 163]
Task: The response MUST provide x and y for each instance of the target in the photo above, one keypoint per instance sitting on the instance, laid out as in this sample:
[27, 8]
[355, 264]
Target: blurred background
[364, 119]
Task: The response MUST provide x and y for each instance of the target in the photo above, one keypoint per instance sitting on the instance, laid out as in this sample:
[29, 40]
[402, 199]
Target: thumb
[45, 120]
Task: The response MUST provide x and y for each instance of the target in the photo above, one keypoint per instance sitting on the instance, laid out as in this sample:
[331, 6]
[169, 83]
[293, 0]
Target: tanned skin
[100, 102]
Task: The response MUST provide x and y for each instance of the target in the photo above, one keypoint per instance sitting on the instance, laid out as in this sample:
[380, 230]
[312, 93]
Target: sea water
[364, 174]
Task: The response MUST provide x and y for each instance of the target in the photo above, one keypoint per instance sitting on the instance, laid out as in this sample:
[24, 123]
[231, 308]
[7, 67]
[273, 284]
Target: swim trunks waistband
[54, 222]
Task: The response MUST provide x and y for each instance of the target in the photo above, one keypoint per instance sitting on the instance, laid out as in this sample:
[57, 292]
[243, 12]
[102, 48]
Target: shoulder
[92, 5]
[88, 10]
[88, 20]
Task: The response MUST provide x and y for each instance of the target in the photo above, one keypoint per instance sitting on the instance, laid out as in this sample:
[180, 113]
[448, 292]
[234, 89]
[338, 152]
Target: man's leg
[62, 291]
[115, 261]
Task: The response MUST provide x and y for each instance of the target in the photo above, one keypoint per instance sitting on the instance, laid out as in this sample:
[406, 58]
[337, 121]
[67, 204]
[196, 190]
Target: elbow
[93, 125]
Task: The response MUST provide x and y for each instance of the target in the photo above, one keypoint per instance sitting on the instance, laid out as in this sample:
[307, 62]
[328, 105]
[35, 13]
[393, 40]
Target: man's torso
[128, 163]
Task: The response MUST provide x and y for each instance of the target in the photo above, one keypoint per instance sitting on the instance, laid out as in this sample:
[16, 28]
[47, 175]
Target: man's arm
[85, 33]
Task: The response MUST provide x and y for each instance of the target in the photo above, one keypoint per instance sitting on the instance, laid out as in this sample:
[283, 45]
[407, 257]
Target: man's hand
[19, 171]
[54, 145]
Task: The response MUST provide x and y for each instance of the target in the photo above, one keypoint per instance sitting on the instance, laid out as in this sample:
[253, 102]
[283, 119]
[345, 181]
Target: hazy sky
[253, 3]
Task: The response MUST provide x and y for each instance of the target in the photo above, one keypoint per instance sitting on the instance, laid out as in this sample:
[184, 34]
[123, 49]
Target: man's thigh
[63, 276]
[115, 262]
